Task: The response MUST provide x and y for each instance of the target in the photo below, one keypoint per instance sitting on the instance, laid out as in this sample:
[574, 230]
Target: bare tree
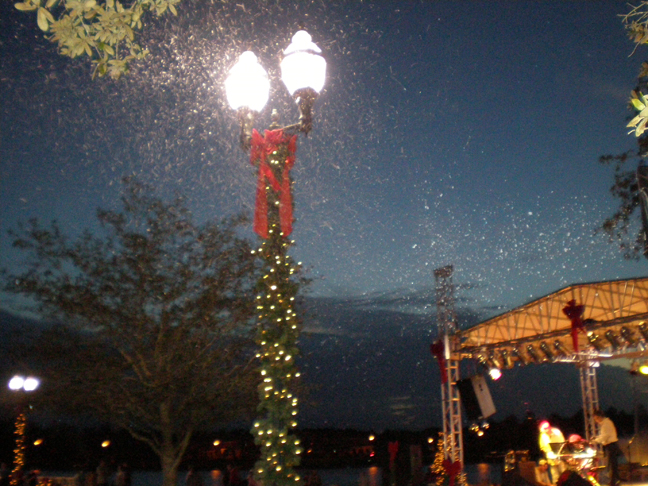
[156, 312]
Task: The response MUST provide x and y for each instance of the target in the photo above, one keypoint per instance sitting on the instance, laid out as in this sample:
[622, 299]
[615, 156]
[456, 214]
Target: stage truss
[614, 325]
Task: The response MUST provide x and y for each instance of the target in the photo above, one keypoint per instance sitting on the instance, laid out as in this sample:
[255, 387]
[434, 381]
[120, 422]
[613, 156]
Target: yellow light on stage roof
[643, 368]
[217, 442]
[105, 443]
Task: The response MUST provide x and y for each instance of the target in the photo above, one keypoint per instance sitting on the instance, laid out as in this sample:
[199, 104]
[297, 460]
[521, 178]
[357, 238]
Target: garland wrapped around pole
[277, 323]
[19, 450]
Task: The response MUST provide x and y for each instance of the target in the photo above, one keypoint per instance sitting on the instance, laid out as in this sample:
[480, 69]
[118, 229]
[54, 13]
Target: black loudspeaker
[570, 478]
[513, 478]
[476, 397]
[469, 399]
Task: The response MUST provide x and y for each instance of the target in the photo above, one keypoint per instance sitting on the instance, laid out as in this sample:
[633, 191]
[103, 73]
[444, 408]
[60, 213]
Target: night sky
[463, 133]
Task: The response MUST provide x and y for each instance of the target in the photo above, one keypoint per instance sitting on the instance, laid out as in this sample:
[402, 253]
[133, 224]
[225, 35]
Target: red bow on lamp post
[438, 350]
[260, 150]
[575, 312]
[452, 469]
[392, 447]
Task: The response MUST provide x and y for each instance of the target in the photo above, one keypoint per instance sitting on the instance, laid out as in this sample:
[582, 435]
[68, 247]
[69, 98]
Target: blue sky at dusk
[463, 133]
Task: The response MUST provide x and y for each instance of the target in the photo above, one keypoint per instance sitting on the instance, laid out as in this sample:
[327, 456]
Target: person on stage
[542, 473]
[551, 435]
[607, 437]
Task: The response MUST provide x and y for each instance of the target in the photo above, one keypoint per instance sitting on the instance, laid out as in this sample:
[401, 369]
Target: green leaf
[641, 127]
[643, 99]
[173, 9]
[634, 121]
[41, 19]
[25, 6]
[638, 105]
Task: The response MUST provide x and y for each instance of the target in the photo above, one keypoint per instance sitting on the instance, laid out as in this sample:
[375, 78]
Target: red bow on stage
[392, 447]
[575, 312]
[438, 350]
[452, 468]
[261, 148]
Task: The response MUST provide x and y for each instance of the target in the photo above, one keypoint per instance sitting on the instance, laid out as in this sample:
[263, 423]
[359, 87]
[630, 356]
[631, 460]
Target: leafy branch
[103, 30]
[636, 25]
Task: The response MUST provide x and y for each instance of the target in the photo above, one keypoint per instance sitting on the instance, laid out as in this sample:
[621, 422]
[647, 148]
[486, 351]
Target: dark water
[477, 474]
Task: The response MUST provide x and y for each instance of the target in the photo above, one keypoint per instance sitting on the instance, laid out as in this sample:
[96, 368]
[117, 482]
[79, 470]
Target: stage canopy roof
[614, 324]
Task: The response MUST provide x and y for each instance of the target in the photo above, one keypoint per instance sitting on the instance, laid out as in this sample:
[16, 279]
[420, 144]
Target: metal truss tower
[447, 334]
[589, 392]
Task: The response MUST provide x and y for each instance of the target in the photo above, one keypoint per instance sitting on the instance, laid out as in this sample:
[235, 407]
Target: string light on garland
[437, 469]
[277, 333]
[20, 449]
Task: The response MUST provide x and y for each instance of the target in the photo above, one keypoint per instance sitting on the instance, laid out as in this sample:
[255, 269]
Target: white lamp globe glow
[495, 373]
[247, 85]
[30, 384]
[303, 66]
[16, 383]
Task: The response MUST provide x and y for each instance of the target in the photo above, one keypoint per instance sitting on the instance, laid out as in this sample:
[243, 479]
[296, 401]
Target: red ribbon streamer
[261, 148]
[438, 350]
[452, 468]
[575, 312]
[392, 447]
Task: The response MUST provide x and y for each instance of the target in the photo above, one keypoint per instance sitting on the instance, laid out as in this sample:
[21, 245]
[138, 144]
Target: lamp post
[20, 384]
[247, 86]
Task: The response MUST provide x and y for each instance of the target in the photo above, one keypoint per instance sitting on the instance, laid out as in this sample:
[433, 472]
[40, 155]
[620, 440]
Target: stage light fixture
[595, 340]
[516, 354]
[643, 368]
[533, 354]
[561, 350]
[507, 359]
[544, 347]
[494, 360]
[627, 336]
[643, 329]
[613, 339]
[481, 359]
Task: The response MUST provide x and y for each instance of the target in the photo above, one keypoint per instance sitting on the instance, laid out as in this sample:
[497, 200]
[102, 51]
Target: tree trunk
[169, 451]
[169, 467]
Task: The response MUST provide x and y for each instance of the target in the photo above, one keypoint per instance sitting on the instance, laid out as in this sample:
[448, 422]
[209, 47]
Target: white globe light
[16, 383]
[31, 384]
[495, 374]
[247, 85]
[303, 66]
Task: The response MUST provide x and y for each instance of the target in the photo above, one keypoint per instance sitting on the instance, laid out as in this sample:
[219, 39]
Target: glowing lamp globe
[30, 384]
[16, 383]
[303, 66]
[247, 85]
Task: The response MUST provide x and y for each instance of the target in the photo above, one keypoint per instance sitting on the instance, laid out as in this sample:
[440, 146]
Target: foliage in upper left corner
[102, 30]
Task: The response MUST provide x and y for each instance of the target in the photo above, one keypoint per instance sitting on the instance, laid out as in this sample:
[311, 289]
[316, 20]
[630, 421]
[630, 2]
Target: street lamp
[20, 384]
[303, 71]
